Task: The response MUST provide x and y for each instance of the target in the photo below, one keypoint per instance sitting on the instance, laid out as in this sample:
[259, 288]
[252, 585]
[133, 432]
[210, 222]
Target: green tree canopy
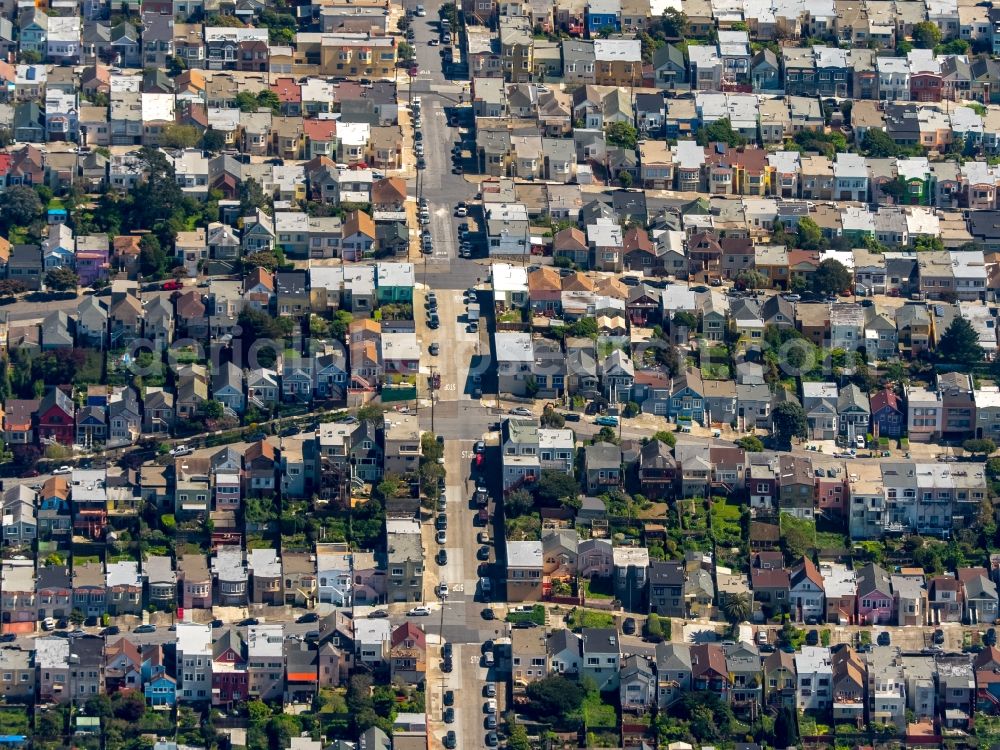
[831, 277]
[789, 419]
[62, 279]
[751, 444]
[810, 236]
[622, 134]
[555, 696]
[926, 35]
[879, 144]
[19, 206]
[555, 486]
[720, 131]
[960, 344]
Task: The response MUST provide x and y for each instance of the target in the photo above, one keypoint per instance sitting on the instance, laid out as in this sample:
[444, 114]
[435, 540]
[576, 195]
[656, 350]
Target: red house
[230, 681]
[925, 86]
[56, 417]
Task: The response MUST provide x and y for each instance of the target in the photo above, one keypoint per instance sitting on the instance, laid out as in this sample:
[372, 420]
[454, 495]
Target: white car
[461, 211]
[420, 12]
[181, 450]
[442, 590]
[490, 706]
[433, 43]
[419, 612]
[62, 470]
[442, 537]
[520, 411]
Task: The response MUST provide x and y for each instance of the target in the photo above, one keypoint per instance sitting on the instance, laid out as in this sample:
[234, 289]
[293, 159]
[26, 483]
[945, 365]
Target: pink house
[832, 489]
[92, 258]
[875, 600]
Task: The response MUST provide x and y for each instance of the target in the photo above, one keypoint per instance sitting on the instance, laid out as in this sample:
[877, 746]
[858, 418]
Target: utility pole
[434, 382]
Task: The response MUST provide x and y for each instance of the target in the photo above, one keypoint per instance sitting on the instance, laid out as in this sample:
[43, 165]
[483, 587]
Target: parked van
[485, 585]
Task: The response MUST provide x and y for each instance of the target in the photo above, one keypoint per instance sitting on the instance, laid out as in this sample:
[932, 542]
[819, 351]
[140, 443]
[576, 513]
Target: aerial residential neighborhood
[385, 375]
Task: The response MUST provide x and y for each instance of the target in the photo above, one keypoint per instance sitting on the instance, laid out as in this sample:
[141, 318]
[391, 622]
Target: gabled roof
[885, 398]
[409, 631]
[806, 570]
[873, 578]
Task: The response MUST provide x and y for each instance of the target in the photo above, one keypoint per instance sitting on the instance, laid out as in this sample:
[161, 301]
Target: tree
[789, 419]
[831, 278]
[810, 236]
[555, 486]
[341, 321]
[261, 259]
[518, 503]
[158, 198]
[685, 319]
[247, 101]
[984, 446]
[405, 51]
[751, 444]
[623, 135]
[879, 144]
[552, 419]
[517, 737]
[786, 727]
[751, 279]
[625, 178]
[371, 413]
[673, 24]
[152, 258]
[252, 197]
[736, 608]
[960, 344]
[390, 486]
[213, 140]
[667, 438]
[211, 409]
[555, 696]
[19, 206]
[12, 287]
[926, 35]
[76, 617]
[720, 131]
[62, 279]
[179, 136]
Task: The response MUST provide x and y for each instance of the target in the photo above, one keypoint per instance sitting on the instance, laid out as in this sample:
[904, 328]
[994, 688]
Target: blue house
[603, 14]
[687, 397]
[159, 688]
[888, 417]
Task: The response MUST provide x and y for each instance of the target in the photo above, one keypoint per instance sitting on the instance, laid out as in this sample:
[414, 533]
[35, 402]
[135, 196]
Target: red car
[172, 285]
[479, 459]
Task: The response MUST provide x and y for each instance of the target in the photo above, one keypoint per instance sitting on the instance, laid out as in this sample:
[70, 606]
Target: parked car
[441, 558]
[449, 715]
[419, 612]
[884, 639]
[309, 617]
[606, 421]
[145, 629]
[449, 697]
[378, 613]
[521, 411]
[628, 626]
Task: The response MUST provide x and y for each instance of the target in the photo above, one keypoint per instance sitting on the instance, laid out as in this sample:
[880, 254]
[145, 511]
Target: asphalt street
[455, 415]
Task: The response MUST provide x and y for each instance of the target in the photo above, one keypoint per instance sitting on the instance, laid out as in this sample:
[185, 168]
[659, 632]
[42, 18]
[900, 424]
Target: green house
[917, 178]
[394, 282]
